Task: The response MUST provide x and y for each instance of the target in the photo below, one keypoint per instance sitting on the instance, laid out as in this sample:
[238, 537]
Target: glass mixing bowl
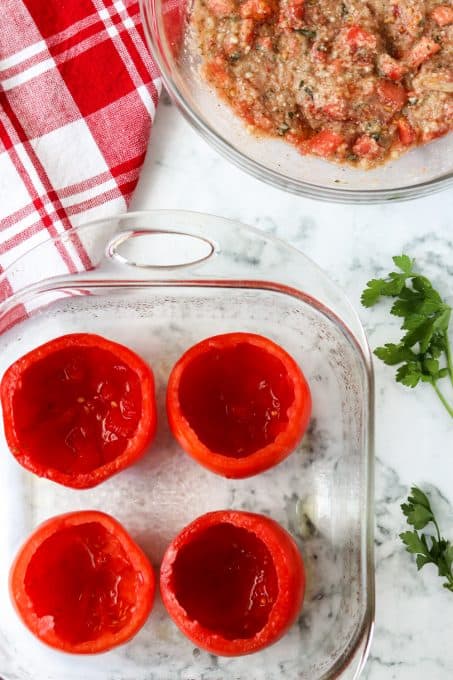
[420, 172]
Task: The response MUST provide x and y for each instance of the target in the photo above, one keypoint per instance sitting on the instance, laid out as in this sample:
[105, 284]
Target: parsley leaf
[424, 353]
[428, 549]
[404, 263]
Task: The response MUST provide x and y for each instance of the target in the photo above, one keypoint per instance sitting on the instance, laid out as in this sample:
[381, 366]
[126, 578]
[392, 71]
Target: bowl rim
[259, 171]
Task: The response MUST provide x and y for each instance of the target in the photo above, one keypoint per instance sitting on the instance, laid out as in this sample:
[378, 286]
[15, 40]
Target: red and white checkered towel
[78, 92]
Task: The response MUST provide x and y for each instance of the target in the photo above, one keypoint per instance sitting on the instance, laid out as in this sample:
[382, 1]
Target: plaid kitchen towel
[78, 92]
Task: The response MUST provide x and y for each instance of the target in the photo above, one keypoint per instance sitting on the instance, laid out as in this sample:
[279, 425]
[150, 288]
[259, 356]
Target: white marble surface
[414, 615]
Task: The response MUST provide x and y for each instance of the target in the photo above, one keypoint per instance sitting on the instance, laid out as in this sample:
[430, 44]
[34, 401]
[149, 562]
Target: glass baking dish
[159, 282]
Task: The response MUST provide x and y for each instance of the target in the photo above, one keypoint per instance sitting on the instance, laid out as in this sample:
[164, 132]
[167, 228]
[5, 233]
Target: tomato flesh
[233, 582]
[238, 403]
[77, 408]
[236, 398]
[81, 584]
[82, 578]
[226, 580]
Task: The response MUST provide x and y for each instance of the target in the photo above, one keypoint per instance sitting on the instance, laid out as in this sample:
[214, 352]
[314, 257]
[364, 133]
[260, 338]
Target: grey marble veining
[414, 615]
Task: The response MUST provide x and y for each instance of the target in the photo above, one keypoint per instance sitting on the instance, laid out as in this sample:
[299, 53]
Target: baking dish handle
[159, 249]
[174, 247]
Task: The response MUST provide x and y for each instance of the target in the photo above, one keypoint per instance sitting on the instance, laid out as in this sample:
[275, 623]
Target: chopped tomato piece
[233, 582]
[78, 409]
[406, 132]
[217, 74]
[392, 94]
[422, 51]
[324, 143]
[357, 38]
[390, 67]
[81, 584]
[238, 403]
[295, 13]
[258, 10]
[366, 147]
[442, 15]
[336, 110]
[221, 8]
[246, 32]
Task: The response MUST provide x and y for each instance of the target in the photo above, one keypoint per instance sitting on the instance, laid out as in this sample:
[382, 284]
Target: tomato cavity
[77, 408]
[226, 580]
[236, 399]
[81, 583]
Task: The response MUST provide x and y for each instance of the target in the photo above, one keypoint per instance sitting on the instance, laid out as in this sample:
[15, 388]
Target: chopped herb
[353, 157]
[412, 101]
[376, 136]
[428, 548]
[307, 32]
[308, 91]
[234, 57]
[301, 84]
[291, 114]
[344, 10]
[373, 128]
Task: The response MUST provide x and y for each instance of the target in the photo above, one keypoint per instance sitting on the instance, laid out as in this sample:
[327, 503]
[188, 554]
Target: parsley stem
[437, 529]
[442, 398]
[449, 358]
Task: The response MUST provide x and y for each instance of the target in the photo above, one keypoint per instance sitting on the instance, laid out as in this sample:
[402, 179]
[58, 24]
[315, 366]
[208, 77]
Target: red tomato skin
[324, 143]
[258, 10]
[406, 132]
[392, 94]
[136, 446]
[137, 558]
[366, 147]
[358, 37]
[422, 51]
[263, 459]
[443, 15]
[288, 564]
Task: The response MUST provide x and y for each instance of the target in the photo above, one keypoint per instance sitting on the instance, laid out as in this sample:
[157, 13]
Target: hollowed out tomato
[78, 409]
[81, 584]
[233, 582]
[238, 403]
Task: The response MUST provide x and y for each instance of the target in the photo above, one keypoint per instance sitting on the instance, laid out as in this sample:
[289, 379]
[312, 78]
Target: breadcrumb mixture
[349, 80]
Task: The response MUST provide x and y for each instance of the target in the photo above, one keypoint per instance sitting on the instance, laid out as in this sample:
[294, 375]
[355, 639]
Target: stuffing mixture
[349, 80]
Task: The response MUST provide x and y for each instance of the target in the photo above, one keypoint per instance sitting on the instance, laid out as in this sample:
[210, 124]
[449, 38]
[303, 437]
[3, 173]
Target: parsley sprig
[428, 548]
[424, 353]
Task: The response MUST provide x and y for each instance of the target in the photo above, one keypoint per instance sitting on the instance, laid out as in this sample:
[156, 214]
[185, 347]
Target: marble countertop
[414, 614]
